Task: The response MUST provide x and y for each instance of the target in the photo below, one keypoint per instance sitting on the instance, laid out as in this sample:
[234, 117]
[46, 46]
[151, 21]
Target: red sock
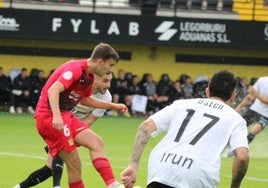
[103, 166]
[78, 184]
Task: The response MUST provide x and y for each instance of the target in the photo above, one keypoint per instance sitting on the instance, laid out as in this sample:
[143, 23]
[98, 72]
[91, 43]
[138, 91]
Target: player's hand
[120, 107]
[57, 122]
[128, 177]
[238, 109]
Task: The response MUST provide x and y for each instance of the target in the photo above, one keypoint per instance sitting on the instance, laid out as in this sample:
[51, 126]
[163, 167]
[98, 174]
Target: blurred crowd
[20, 90]
[158, 93]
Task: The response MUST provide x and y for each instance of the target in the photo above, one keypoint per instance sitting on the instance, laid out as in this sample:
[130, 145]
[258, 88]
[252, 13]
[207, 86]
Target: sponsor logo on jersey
[68, 75]
[74, 95]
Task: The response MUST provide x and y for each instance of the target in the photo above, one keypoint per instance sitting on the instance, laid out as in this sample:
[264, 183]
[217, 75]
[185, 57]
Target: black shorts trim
[158, 185]
[46, 149]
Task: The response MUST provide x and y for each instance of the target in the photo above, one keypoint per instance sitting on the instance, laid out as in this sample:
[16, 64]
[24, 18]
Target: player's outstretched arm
[245, 102]
[240, 166]
[129, 175]
[97, 103]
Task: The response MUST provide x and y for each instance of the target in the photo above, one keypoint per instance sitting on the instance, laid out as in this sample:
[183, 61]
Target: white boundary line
[249, 178]
[22, 155]
[89, 164]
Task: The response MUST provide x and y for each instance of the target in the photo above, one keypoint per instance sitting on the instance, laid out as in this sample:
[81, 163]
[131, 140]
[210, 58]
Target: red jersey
[77, 82]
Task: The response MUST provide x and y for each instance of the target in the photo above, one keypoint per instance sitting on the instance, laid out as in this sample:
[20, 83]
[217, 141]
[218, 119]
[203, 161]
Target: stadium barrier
[132, 29]
[250, 10]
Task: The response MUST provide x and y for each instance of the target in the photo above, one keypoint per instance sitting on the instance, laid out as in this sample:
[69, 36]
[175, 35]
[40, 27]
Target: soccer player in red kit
[70, 84]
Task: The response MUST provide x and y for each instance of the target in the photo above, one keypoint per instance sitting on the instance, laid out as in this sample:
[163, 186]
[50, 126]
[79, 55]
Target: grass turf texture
[22, 152]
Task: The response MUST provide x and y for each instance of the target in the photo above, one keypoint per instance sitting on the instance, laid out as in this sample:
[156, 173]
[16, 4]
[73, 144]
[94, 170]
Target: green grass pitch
[21, 152]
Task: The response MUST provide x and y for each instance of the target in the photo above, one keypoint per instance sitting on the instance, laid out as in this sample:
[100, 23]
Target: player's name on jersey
[176, 159]
[211, 104]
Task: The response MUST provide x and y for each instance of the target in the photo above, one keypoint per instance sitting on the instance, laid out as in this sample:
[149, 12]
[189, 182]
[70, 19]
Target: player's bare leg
[256, 129]
[73, 165]
[94, 143]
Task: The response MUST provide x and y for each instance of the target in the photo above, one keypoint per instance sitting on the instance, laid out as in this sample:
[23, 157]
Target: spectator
[38, 80]
[113, 84]
[128, 77]
[4, 88]
[188, 88]
[120, 87]
[13, 74]
[149, 90]
[143, 79]
[120, 90]
[163, 87]
[182, 78]
[133, 89]
[175, 92]
[200, 86]
[20, 93]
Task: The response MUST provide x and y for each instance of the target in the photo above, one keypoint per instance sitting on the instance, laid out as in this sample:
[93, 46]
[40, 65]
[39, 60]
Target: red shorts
[56, 139]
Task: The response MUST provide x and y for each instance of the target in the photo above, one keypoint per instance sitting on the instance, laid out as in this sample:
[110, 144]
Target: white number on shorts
[66, 131]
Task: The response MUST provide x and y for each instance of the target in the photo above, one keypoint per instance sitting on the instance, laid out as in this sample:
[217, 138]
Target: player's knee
[257, 128]
[96, 146]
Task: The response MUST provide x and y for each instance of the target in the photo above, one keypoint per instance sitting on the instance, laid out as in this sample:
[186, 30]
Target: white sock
[114, 184]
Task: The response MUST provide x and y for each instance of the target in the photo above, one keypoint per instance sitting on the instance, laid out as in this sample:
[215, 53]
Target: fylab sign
[113, 28]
